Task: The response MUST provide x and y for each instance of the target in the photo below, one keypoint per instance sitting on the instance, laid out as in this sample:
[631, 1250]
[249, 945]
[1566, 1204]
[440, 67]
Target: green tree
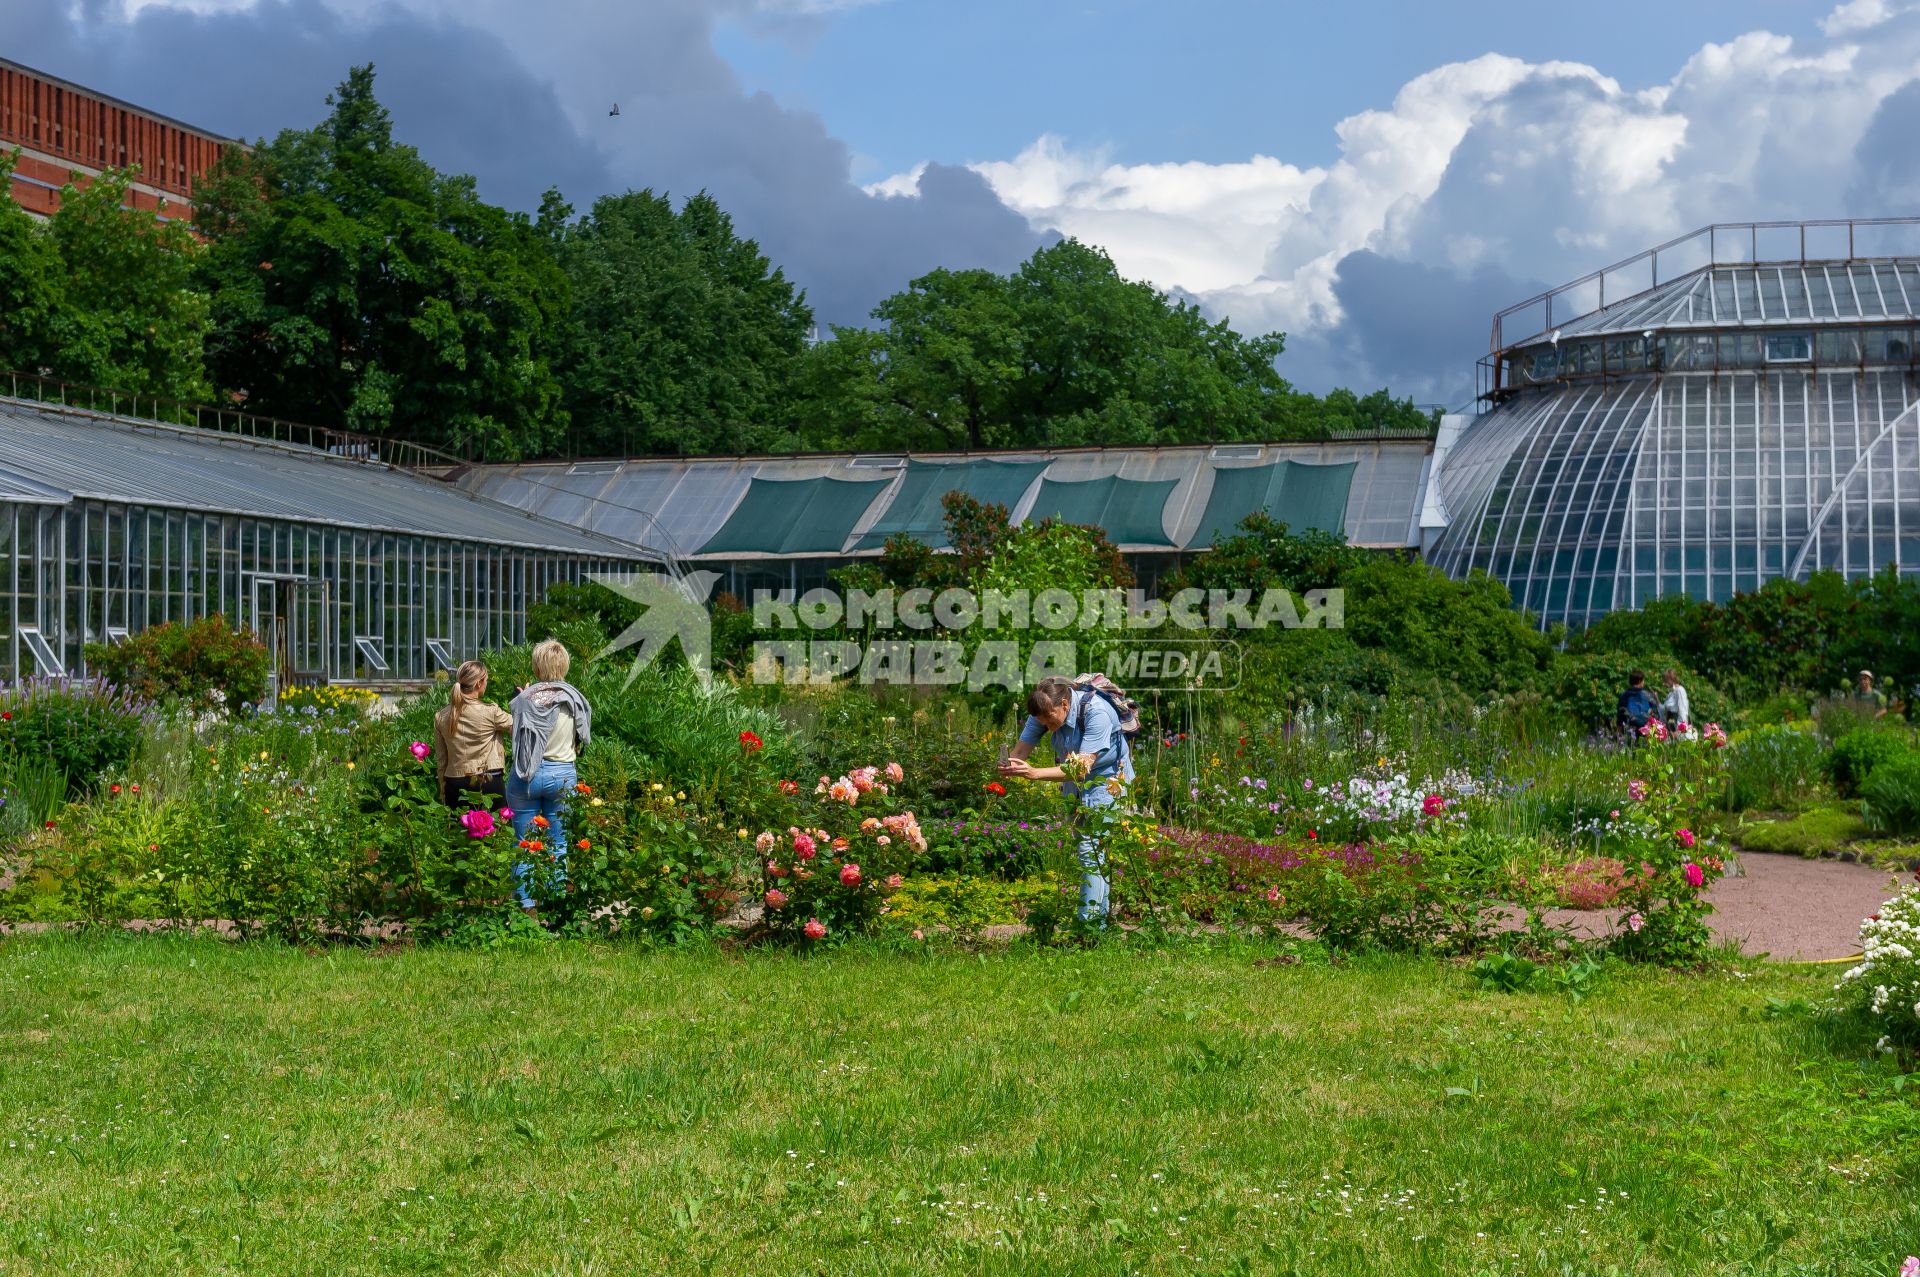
[134, 319]
[682, 338]
[354, 285]
[1065, 351]
[32, 286]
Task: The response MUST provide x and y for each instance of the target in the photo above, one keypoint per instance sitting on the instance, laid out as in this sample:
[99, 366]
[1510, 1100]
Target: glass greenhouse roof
[1765, 293]
[49, 456]
[1594, 496]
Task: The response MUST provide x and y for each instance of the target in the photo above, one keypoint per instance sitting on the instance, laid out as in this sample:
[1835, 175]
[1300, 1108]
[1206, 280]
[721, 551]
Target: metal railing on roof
[1834, 239]
[102, 401]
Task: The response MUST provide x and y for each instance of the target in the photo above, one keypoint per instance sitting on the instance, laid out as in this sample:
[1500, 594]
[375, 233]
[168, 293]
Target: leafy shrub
[204, 664]
[1857, 753]
[1773, 767]
[1885, 987]
[85, 731]
[1891, 794]
[32, 790]
[642, 861]
[983, 845]
[965, 903]
[1779, 709]
[1818, 831]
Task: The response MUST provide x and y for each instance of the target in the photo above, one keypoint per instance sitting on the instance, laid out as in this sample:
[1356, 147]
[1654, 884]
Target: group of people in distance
[549, 722]
[1636, 707]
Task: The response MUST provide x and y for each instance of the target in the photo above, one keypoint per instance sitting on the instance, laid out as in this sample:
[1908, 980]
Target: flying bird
[616, 109]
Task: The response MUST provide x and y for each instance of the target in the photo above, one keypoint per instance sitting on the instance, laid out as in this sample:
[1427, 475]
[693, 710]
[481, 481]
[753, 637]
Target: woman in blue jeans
[552, 723]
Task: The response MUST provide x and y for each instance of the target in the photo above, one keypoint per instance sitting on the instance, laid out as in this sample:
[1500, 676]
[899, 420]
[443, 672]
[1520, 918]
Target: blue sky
[1210, 80]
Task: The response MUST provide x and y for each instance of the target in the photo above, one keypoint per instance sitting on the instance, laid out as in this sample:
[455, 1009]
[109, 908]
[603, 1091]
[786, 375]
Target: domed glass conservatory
[1714, 428]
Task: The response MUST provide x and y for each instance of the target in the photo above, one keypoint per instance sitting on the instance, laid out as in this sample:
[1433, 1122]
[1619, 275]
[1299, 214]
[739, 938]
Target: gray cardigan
[534, 711]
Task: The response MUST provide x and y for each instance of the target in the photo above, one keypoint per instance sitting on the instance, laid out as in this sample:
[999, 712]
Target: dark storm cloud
[498, 93]
[1416, 328]
[1886, 180]
[455, 93]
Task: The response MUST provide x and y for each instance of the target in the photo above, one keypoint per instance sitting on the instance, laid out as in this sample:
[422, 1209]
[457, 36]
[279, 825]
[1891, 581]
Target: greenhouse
[783, 523]
[1733, 424]
[350, 570]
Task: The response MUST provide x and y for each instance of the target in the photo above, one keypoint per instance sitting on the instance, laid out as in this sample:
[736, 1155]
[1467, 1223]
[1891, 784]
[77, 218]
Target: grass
[1818, 831]
[187, 1105]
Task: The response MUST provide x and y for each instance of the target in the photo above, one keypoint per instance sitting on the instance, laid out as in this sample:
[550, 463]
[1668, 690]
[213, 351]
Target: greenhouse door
[290, 618]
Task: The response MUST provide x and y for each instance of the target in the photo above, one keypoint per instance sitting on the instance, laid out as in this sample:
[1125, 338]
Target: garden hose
[1824, 962]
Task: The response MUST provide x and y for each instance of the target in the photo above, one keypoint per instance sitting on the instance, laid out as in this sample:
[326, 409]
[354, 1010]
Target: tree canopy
[354, 285]
[102, 294]
[681, 337]
[1064, 351]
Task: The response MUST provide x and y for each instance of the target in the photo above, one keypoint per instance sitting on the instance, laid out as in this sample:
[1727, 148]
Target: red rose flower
[750, 742]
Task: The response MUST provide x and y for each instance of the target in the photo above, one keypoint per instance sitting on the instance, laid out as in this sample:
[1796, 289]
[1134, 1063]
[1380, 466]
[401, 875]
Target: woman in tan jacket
[466, 738]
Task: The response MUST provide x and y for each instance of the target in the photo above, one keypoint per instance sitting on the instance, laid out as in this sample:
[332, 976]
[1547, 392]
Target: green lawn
[197, 1107]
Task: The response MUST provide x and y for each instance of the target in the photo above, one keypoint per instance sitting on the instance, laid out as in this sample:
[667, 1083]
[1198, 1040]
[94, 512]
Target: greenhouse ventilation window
[795, 516]
[1300, 495]
[918, 508]
[44, 660]
[441, 650]
[1789, 348]
[374, 649]
[1133, 511]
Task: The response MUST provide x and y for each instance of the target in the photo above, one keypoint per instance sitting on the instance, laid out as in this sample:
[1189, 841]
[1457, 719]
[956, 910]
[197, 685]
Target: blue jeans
[545, 795]
[1093, 862]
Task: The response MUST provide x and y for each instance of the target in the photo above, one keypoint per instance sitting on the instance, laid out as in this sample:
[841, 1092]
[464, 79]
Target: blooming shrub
[84, 731]
[832, 874]
[205, 664]
[329, 698]
[1884, 988]
[1665, 911]
[1008, 849]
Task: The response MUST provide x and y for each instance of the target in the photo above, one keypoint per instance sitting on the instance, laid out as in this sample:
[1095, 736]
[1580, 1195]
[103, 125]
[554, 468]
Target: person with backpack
[1636, 706]
[1091, 722]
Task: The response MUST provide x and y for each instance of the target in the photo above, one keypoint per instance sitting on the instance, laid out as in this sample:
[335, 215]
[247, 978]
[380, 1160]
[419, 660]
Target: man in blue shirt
[1086, 729]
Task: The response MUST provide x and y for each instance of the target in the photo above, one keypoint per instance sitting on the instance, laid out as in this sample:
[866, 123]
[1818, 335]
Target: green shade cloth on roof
[794, 516]
[916, 509]
[1131, 510]
[1295, 493]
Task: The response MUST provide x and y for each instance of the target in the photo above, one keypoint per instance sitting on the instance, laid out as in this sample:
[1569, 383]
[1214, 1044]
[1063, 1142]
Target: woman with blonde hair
[466, 739]
[552, 723]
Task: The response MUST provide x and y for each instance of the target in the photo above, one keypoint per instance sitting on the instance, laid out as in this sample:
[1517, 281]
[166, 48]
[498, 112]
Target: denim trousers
[545, 795]
[1093, 859]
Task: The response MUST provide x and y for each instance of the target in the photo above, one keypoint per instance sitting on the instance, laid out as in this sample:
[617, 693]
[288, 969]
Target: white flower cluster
[1886, 983]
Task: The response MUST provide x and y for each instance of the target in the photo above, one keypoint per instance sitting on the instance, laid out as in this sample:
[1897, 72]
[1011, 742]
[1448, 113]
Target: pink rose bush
[847, 851]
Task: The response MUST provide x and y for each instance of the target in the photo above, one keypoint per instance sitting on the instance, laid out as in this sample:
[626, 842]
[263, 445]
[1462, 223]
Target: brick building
[61, 129]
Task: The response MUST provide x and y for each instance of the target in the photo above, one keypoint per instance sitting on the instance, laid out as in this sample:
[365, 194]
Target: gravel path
[1798, 910]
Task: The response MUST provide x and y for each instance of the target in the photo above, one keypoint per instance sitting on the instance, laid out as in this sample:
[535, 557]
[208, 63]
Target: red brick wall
[80, 130]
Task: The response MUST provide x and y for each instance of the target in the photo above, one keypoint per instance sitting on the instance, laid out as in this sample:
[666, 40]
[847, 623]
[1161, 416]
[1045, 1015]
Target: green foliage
[354, 285]
[1891, 794]
[33, 300]
[1773, 767]
[84, 731]
[137, 321]
[1857, 753]
[568, 602]
[102, 293]
[1463, 632]
[967, 903]
[1062, 352]
[682, 337]
[1511, 973]
[1819, 831]
[203, 664]
[1264, 554]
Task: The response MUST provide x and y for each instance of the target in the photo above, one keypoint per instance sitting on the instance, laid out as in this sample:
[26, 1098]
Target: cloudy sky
[1374, 179]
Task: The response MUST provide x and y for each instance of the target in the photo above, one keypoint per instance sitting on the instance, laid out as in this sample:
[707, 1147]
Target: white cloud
[1497, 170]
